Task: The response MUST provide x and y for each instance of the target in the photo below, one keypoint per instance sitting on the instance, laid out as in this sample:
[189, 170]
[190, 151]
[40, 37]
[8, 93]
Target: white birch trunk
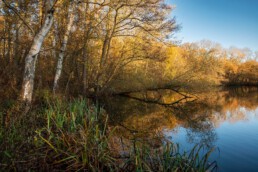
[59, 67]
[31, 58]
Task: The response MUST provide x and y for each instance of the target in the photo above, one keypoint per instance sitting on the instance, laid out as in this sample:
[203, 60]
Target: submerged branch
[185, 95]
[155, 101]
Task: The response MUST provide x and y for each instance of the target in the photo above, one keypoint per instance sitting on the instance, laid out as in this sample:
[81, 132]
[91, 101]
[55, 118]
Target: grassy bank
[75, 135]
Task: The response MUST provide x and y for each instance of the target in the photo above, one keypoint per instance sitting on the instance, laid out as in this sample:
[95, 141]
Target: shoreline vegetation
[58, 57]
[75, 135]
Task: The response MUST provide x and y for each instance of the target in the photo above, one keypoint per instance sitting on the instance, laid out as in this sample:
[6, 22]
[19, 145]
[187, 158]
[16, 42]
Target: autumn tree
[139, 19]
[69, 25]
[31, 58]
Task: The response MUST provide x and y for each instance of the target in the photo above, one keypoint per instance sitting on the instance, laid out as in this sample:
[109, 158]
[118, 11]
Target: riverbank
[76, 135]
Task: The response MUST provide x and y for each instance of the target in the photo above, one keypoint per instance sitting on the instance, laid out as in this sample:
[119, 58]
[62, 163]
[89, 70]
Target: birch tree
[31, 58]
[71, 17]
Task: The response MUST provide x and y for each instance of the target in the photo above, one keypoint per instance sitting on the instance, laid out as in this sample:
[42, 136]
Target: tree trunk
[16, 45]
[106, 49]
[85, 67]
[9, 44]
[64, 45]
[31, 58]
[85, 48]
[4, 46]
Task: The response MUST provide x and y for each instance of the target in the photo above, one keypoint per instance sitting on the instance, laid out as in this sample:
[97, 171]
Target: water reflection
[216, 118]
[200, 116]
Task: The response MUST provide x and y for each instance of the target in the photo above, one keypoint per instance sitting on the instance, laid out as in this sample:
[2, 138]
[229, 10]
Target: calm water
[224, 119]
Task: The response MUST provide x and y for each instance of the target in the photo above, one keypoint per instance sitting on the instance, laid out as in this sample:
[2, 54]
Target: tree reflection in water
[143, 117]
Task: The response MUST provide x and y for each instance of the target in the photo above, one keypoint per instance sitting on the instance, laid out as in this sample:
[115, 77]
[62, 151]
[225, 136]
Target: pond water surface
[224, 119]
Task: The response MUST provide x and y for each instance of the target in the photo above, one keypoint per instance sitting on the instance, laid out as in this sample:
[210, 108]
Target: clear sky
[228, 22]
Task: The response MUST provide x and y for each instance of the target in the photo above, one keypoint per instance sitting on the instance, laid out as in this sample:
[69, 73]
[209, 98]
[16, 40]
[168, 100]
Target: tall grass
[168, 158]
[75, 136]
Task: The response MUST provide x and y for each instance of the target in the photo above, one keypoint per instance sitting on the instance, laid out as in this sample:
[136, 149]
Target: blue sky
[228, 22]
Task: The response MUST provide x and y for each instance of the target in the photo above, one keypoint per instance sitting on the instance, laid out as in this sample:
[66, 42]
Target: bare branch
[18, 14]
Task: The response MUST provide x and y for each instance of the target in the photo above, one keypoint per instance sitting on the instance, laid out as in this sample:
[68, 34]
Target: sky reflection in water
[227, 120]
